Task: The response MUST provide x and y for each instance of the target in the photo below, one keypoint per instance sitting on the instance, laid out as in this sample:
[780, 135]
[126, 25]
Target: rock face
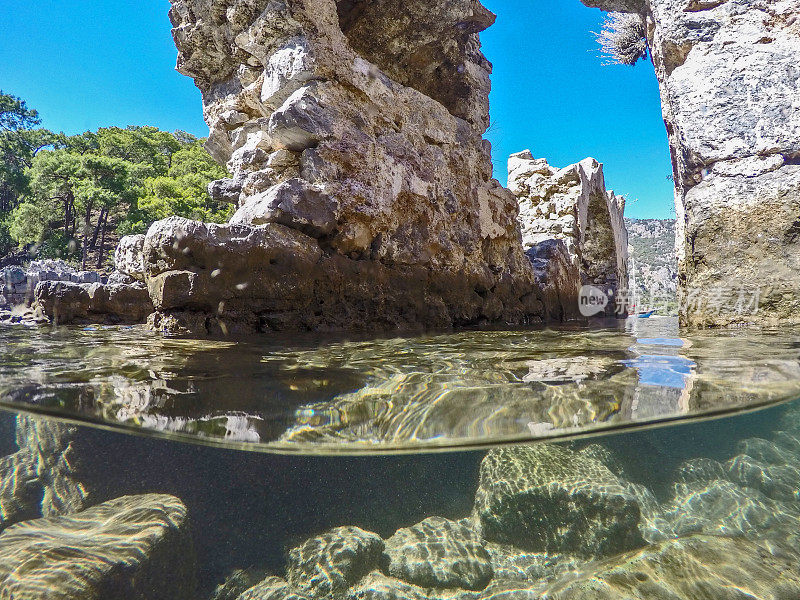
[438, 553]
[128, 257]
[547, 498]
[56, 292]
[729, 80]
[65, 302]
[558, 277]
[17, 284]
[572, 204]
[128, 548]
[354, 136]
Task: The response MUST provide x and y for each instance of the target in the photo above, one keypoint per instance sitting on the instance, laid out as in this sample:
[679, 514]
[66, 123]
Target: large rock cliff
[354, 133]
[730, 92]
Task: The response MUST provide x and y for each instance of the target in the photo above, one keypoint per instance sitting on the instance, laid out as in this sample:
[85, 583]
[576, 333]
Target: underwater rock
[439, 553]
[358, 127]
[700, 469]
[729, 78]
[764, 451]
[377, 586]
[547, 498]
[66, 302]
[721, 507]
[71, 464]
[59, 455]
[238, 582]
[271, 588]
[512, 564]
[128, 548]
[778, 481]
[20, 491]
[332, 562]
[604, 455]
[572, 204]
[690, 567]
[762, 465]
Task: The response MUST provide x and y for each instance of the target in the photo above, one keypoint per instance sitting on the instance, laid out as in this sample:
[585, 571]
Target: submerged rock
[512, 564]
[690, 567]
[238, 582]
[20, 491]
[377, 586]
[129, 548]
[59, 455]
[573, 206]
[439, 553]
[748, 494]
[729, 78]
[547, 498]
[271, 588]
[332, 562]
[720, 507]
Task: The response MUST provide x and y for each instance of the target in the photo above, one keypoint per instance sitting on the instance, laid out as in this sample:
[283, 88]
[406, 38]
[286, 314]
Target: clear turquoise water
[437, 391]
[561, 486]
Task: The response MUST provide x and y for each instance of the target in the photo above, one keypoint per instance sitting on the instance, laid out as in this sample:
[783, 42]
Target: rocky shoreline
[187, 277]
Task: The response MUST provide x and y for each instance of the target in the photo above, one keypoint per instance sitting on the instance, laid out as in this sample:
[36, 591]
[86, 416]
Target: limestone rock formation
[547, 498]
[572, 204]
[129, 548]
[438, 553]
[354, 135]
[558, 277]
[65, 302]
[729, 81]
[17, 284]
[377, 586]
[128, 257]
[240, 581]
[332, 562]
[719, 507]
[512, 564]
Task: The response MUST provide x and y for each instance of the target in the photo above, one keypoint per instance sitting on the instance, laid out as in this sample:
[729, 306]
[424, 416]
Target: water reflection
[312, 394]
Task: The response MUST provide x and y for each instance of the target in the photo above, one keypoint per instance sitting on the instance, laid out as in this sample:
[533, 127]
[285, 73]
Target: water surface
[311, 394]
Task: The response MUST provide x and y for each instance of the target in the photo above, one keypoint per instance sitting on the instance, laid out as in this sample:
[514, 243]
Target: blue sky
[86, 64]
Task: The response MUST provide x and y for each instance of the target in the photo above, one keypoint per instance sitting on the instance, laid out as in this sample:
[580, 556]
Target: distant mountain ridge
[652, 267]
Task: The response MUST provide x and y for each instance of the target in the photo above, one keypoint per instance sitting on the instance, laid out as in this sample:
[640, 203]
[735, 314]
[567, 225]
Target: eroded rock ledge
[572, 230]
[730, 92]
[363, 186]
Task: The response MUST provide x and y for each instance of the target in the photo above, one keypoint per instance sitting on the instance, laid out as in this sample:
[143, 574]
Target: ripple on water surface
[447, 390]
